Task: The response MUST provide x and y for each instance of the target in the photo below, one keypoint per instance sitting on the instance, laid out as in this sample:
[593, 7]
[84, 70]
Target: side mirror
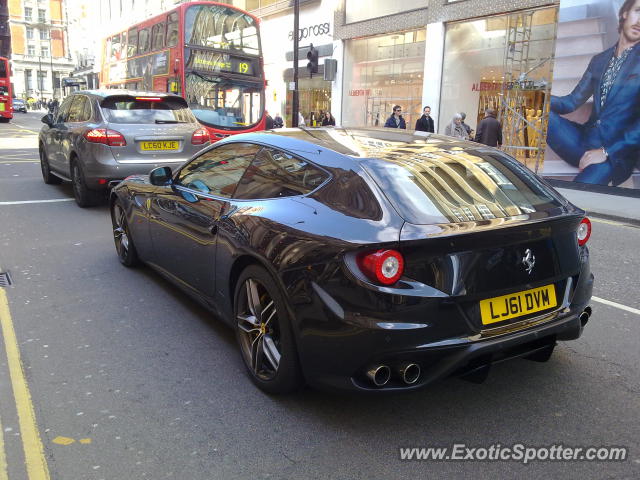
[160, 176]
[47, 120]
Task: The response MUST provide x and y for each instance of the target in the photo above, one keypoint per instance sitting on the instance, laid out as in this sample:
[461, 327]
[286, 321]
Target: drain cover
[5, 279]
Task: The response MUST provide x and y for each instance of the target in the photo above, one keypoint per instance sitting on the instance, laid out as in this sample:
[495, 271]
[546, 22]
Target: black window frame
[217, 196]
[326, 179]
[63, 110]
[77, 98]
[132, 48]
[158, 29]
[173, 24]
[141, 50]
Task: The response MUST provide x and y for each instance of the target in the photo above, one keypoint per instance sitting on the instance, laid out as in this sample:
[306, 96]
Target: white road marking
[23, 202]
[616, 305]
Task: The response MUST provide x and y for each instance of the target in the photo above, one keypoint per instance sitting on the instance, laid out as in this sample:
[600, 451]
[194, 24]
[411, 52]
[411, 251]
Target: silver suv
[97, 138]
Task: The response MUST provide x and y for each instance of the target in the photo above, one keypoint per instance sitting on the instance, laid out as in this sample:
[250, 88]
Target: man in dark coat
[396, 120]
[425, 122]
[269, 121]
[489, 130]
[606, 147]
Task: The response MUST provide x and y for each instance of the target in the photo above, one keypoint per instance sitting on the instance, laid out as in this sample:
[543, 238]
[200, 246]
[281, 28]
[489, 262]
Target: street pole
[39, 79]
[53, 87]
[296, 20]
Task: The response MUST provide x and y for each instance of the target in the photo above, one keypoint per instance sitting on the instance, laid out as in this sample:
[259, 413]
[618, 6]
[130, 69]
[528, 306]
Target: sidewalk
[625, 209]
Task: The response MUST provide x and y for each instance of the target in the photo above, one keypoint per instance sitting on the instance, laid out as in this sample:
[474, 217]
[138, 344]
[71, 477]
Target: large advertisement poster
[594, 122]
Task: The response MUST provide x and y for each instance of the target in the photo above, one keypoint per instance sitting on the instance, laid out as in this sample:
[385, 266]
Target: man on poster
[607, 147]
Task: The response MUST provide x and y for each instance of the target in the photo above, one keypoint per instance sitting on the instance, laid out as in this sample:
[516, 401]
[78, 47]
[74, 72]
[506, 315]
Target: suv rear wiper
[169, 121]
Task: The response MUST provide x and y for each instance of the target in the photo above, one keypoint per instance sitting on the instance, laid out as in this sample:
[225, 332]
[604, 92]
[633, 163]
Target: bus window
[143, 41]
[116, 48]
[157, 35]
[172, 30]
[132, 48]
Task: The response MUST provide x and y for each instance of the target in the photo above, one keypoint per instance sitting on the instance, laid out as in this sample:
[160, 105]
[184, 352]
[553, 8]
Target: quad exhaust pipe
[379, 375]
[410, 373]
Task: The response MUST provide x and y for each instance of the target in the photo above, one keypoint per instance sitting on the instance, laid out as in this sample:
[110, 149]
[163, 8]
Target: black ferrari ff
[364, 259]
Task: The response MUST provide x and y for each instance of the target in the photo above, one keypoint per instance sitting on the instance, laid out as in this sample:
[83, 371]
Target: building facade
[40, 55]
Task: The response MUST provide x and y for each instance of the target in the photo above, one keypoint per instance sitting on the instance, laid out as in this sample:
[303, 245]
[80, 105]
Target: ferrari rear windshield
[441, 186]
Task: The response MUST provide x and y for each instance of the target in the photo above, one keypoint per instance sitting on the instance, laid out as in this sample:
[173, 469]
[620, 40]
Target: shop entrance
[314, 99]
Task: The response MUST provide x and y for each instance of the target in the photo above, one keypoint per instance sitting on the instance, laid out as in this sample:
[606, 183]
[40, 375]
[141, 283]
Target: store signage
[317, 30]
[499, 86]
[359, 93]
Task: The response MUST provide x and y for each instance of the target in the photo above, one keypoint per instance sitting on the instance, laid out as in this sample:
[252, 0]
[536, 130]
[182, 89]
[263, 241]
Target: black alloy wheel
[264, 333]
[124, 243]
[47, 176]
[85, 197]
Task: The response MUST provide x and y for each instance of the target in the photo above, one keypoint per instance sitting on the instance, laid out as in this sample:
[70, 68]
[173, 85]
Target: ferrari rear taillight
[584, 231]
[200, 137]
[106, 137]
[381, 266]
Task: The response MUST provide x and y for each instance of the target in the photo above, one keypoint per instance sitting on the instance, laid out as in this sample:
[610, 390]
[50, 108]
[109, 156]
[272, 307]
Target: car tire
[125, 248]
[47, 176]
[85, 197]
[264, 333]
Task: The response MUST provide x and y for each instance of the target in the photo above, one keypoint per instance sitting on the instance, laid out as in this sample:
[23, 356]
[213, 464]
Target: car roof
[118, 92]
[362, 142]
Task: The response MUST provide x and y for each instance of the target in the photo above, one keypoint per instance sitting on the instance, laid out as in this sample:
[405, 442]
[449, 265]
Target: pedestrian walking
[301, 122]
[489, 130]
[455, 128]
[396, 120]
[425, 122]
[277, 121]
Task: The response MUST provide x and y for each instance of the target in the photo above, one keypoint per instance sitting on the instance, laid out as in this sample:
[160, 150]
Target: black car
[364, 259]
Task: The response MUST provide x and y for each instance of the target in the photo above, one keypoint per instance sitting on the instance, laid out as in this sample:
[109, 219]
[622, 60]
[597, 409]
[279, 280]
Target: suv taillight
[200, 137]
[381, 266]
[106, 137]
[584, 231]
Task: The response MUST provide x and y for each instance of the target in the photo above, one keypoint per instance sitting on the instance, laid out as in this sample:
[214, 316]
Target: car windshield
[138, 109]
[221, 102]
[429, 186]
[217, 26]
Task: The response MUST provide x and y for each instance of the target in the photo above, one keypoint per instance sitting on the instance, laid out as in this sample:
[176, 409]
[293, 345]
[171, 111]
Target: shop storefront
[380, 72]
[316, 27]
[504, 63]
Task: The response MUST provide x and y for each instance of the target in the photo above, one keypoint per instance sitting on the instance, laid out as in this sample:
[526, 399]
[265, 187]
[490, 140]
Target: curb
[630, 222]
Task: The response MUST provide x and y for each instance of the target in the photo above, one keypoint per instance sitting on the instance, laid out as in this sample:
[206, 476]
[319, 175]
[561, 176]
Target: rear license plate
[160, 145]
[499, 309]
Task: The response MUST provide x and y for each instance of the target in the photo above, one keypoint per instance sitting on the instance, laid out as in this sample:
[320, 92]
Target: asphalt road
[130, 379]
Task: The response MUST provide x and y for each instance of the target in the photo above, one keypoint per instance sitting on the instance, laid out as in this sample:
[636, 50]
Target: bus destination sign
[221, 63]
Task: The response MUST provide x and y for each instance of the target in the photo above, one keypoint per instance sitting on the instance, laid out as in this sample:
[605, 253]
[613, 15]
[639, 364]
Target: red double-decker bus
[208, 52]
[6, 110]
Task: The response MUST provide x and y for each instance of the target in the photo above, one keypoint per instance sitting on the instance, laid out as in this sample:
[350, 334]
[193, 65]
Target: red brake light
[382, 266]
[106, 137]
[200, 137]
[584, 231]
[149, 99]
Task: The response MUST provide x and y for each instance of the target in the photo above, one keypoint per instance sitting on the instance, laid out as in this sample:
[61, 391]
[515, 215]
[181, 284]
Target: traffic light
[312, 56]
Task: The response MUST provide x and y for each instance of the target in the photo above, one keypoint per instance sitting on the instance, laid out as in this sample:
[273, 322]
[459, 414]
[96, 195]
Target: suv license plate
[506, 307]
[159, 145]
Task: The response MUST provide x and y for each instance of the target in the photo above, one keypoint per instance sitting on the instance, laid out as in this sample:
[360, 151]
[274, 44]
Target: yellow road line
[34, 458]
[3, 456]
[610, 222]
